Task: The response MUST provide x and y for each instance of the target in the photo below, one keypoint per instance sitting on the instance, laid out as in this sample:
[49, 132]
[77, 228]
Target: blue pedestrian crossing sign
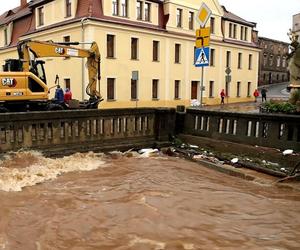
[202, 57]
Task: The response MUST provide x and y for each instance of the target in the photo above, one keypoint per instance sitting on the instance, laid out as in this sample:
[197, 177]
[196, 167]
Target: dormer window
[191, 20]
[246, 34]
[5, 37]
[40, 12]
[147, 12]
[179, 18]
[68, 8]
[124, 4]
[139, 10]
[115, 7]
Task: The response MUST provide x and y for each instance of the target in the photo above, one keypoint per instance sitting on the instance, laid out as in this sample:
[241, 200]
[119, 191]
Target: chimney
[23, 3]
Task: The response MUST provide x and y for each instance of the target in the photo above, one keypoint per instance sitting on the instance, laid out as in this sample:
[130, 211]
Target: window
[283, 62]
[191, 20]
[194, 90]
[68, 8]
[133, 89]
[265, 60]
[230, 30]
[67, 83]
[249, 89]
[234, 31]
[67, 39]
[154, 89]
[139, 14]
[134, 48]
[242, 32]
[147, 12]
[250, 62]
[271, 60]
[115, 7]
[110, 46]
[124, 4]
[238, 89]
[155, 51]
[228, 59]
[177, 89]
[110, 88]
[246, 34]
[40, 16]
[179, 18]
[177, 53]
[212, 57]
[278, 61]
[212, 25]
[211, 89]
[239, 60]
[34, 86]
[5, 37]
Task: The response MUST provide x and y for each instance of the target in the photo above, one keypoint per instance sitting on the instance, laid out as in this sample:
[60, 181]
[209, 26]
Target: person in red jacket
[68, 95]
[222, 94]
[256, 94]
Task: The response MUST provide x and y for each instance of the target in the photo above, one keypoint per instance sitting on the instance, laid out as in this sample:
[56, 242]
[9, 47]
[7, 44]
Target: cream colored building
[147, 49]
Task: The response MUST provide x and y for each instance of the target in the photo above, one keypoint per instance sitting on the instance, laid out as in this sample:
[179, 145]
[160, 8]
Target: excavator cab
[37, 68]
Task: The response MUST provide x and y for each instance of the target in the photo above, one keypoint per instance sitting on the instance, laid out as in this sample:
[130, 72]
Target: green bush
[279, 107]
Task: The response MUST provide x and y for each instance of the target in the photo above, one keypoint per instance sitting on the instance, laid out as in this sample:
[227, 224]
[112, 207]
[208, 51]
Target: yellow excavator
[23, 83]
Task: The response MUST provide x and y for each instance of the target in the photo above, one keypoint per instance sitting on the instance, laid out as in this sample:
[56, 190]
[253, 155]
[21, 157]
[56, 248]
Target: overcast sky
[273, 17]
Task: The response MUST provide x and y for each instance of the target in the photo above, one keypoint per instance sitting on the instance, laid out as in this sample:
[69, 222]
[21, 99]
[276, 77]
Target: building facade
[147, 49]
[296, 25]
[273, 61]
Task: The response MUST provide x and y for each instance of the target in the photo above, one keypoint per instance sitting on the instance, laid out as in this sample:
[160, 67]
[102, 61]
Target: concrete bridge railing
[82, 128]
[276, 131]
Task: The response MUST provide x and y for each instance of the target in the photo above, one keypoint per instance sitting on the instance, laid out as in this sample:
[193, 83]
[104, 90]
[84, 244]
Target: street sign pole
[201, 93]
[202, 44]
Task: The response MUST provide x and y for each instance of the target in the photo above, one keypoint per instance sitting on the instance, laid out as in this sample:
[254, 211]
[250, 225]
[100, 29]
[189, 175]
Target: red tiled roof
[232, 17]
[14, 14]
[89, 8]
[20, 27]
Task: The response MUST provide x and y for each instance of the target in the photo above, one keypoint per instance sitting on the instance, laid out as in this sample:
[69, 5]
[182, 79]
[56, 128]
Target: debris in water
[234, 160]
[148, 152]
[288, 152]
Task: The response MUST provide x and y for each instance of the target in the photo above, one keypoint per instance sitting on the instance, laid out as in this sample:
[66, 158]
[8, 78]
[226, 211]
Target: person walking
[256, 94]
[222, 95]
[263, 92]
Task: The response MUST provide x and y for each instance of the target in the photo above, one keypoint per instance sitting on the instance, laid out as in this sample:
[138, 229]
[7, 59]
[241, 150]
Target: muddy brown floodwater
[90, 201]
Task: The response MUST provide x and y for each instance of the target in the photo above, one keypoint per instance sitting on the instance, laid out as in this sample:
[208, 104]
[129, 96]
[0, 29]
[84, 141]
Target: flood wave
[23, 169]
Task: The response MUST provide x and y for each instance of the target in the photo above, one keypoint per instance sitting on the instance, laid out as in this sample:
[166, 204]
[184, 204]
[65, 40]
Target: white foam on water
[44, 169]
[156, 244]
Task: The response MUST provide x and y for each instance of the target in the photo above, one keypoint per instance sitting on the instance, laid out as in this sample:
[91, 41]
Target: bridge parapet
[269, 130]
[42, 130]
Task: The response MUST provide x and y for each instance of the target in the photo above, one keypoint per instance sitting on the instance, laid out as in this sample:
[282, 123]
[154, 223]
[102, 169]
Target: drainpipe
[83, 20]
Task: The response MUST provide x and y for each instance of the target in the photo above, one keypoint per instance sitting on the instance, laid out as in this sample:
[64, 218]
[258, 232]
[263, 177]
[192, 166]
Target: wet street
[90, 201]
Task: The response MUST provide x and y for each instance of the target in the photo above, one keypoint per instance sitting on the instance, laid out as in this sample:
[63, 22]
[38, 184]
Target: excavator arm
[50, 49]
